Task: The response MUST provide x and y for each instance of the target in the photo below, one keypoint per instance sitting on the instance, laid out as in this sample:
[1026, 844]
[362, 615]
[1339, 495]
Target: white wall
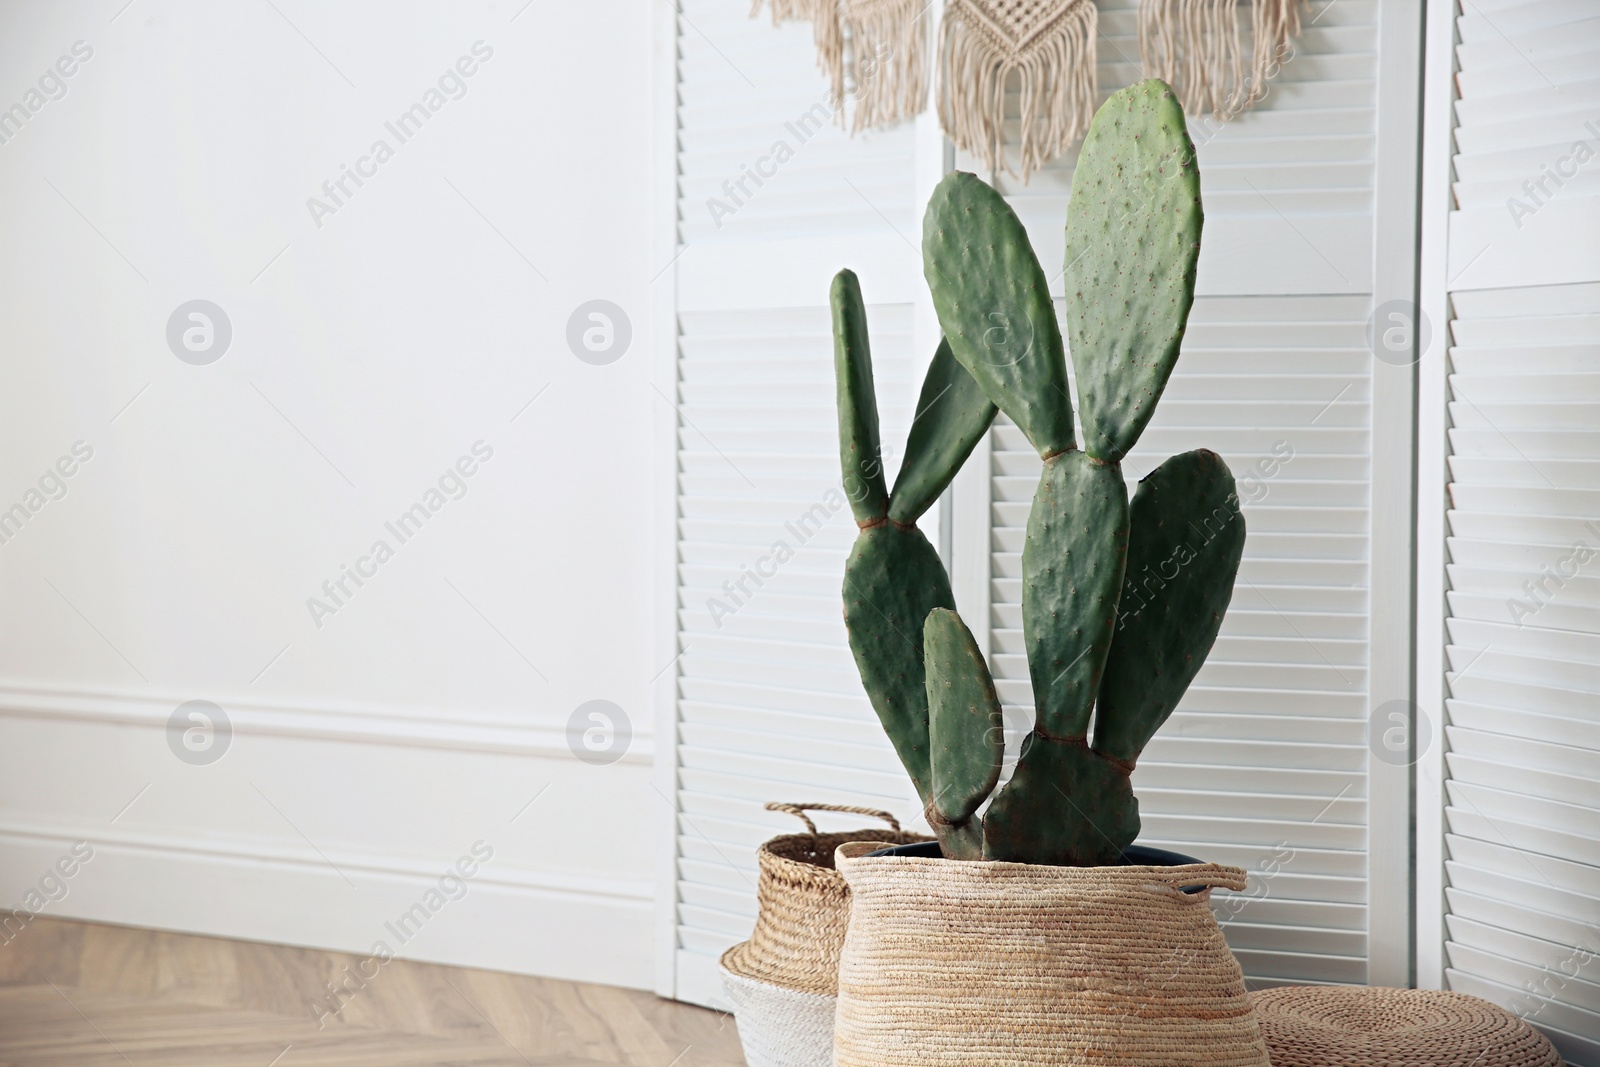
[371, 348]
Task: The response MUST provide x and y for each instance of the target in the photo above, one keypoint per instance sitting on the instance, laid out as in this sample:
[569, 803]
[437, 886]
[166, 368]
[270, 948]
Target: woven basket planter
[983, 964]
[783, 981]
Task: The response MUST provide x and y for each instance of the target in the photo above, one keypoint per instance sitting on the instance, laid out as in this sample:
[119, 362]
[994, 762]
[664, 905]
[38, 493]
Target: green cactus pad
[994, 305]
[1184, 545]
[891, 581]
[952, 415]
[1133, 239]
[1072, 564]
[965, 731]
[860, 455]
[1064, 805]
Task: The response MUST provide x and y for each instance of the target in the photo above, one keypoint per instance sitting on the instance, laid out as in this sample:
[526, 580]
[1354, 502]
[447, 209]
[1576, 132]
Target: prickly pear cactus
[1121, 600]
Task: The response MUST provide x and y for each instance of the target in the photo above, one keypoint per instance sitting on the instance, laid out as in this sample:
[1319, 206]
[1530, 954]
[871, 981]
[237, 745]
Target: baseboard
[516, 920]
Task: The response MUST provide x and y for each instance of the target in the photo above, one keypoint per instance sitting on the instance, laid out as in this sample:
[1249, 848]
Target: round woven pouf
[1369, 1026]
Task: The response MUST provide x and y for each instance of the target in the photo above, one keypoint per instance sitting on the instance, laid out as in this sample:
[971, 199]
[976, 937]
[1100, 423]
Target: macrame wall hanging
[877, 52]
[1195, 46]
[1049, 44]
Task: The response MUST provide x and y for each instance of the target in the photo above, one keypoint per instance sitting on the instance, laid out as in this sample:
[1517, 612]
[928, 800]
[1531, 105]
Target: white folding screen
[1268, 765]
[1509, 590]
[1267, 762]
[772, 199]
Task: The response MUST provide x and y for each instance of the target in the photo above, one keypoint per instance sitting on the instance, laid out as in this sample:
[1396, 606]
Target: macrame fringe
[1195, 46]
[876, 51]
[888, 59]
[1056, 64]
[827, 28]
[786, 10]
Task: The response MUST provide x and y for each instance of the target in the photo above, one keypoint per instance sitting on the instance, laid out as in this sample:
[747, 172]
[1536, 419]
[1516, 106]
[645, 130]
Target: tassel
[888, 59]
[785, 10]
[827, 29]
[1194, 45]
[1049, 43]
[876, 50]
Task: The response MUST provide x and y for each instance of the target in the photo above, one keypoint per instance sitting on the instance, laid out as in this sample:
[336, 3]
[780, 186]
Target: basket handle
[799, 812]
[1206, 875]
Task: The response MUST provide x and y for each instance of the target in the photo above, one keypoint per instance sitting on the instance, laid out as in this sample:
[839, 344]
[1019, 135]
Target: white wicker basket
[781, 1027]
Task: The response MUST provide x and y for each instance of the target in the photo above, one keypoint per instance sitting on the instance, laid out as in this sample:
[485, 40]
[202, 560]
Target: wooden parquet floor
[88, 995]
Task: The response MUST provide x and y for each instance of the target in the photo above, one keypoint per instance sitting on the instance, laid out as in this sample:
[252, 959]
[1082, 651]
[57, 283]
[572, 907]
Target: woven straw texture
[1355, 1026]
[804, 904]
[985, 964]
[780, 1027]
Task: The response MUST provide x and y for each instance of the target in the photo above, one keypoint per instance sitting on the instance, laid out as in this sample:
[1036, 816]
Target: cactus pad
[860, 455]
[1185, 540]
[1072, 564]
[1133, 239]
[891, 581]
[952, 415]
[994, 305]
[965, 731]
[1064, 805]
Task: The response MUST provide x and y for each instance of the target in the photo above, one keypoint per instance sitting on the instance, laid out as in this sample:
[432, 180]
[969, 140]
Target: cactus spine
[1122, 599]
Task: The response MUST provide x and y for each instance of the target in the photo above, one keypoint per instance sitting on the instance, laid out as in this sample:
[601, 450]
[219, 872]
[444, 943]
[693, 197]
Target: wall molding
[577, 927]
[429, 728]
[352, 862]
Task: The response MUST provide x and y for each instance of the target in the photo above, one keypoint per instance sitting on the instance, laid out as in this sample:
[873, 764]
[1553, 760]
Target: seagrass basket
[954, 963]
[783, 981]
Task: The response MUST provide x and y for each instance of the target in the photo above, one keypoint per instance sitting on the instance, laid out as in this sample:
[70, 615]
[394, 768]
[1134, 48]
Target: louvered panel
[770, 704]
[1522, 731]
[1527, 994]
[1543, 925]
[1499, 856]
[1472, 938]
[760, 155]
[1526, 143]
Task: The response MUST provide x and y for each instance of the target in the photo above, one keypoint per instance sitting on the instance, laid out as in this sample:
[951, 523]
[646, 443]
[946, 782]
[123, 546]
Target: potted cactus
[1036, 932]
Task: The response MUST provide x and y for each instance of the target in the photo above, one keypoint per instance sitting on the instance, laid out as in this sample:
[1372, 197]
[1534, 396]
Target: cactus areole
[1122, 597]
